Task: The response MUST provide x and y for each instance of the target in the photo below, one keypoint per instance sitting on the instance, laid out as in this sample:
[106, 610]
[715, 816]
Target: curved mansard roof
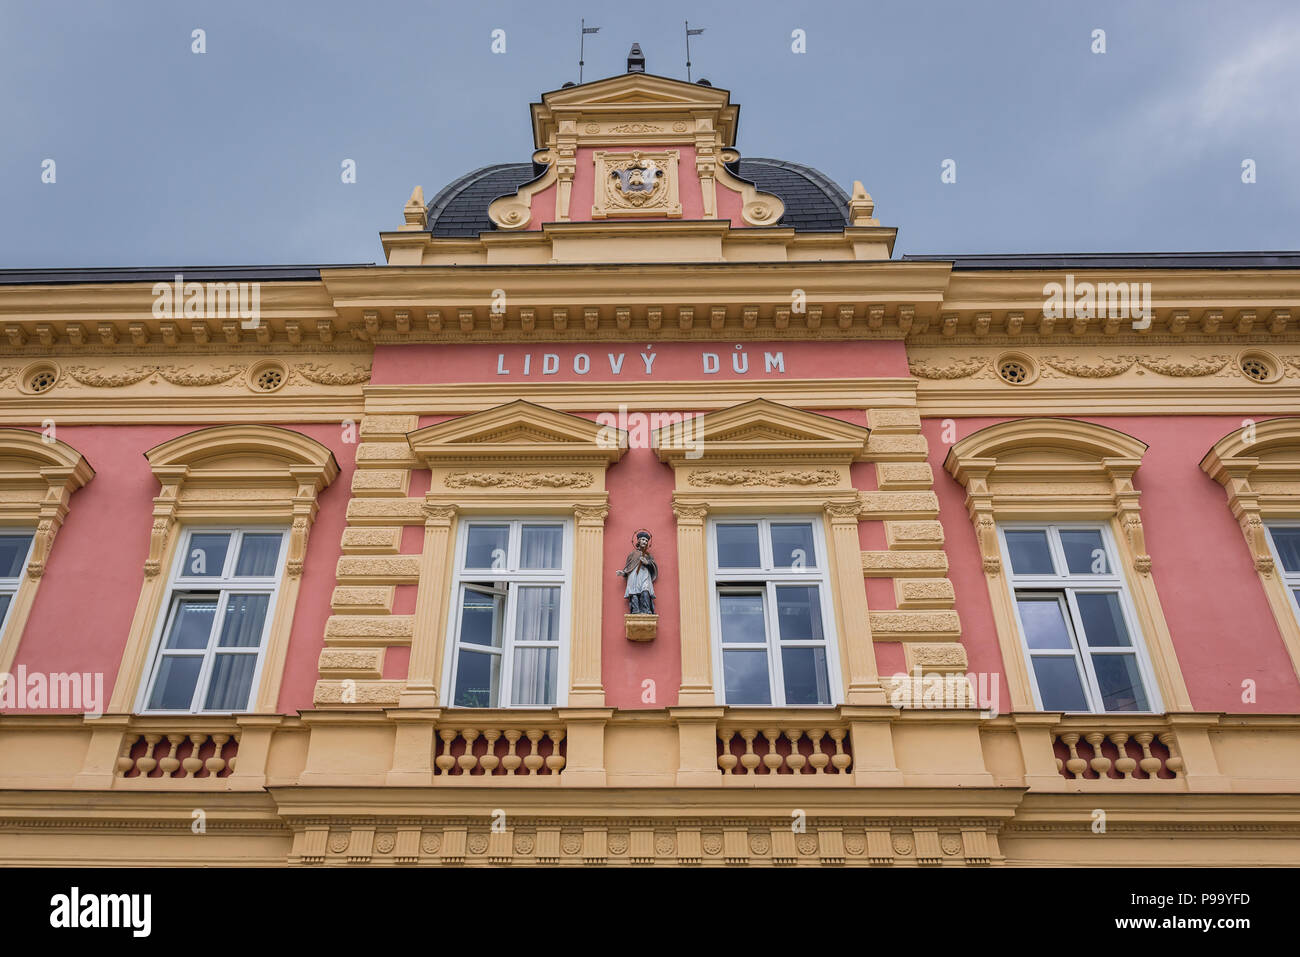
[813, 202]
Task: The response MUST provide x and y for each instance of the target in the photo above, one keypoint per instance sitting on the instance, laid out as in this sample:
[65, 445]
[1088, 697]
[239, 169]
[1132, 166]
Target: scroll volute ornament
[1128, 511]
[164, 514]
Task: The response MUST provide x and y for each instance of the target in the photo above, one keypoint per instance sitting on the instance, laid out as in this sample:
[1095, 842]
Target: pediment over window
[37, 478]
[761, 430]
[519, 434]
[1260, 461]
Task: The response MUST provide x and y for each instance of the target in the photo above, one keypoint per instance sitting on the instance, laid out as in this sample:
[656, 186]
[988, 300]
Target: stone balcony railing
[754, 748]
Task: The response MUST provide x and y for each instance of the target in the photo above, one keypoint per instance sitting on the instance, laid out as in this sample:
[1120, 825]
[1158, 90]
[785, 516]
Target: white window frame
[1290, 580]
[179, 584]
[10, 586]
[1068, 585]
[561, 577]
[770, 577]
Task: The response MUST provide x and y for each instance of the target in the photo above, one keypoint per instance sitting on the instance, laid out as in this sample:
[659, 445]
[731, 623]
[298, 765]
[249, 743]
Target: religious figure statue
[640, 571]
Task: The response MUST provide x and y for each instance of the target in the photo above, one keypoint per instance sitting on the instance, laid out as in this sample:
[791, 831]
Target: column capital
[689, 513]
[591, 514]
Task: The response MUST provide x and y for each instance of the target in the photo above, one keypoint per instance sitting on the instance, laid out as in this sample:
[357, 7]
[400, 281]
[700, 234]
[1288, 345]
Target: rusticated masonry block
[902, 564]
[386, 511]
[372, 541]
[897, 447]
[904, 505]
[894, 420]
[379, 569]
[914, 534]
[362, 601]
[914, 625]
[923, 593]
[353, 630]
[946, 658]
[394, 455]
[380, 481]
[349, 692]
[388, 427]
[352, 662]
[904, 475]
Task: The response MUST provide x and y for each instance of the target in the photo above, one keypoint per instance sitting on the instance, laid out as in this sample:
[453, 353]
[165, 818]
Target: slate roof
[92, 274]
[813, 203]
[1201, 260]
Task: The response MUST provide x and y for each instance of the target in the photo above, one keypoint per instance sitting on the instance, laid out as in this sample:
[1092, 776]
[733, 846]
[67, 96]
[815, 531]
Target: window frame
[179, 585]
[543, 577]
[769, 578]
[1065, 586]
[10, 586]
[1290, 580]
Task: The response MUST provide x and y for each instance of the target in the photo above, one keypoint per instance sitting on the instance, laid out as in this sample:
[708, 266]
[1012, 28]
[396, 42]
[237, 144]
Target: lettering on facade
[636, 364]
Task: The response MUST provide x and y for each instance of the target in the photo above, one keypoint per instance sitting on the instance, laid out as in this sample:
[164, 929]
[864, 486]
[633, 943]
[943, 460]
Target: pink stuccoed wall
[1222, 627]
[83, 608]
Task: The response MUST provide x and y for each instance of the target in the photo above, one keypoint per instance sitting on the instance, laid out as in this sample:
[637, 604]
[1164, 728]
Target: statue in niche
[640, 571]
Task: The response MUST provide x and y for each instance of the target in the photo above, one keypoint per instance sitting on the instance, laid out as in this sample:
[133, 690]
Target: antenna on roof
[690, 33]
[582, 41]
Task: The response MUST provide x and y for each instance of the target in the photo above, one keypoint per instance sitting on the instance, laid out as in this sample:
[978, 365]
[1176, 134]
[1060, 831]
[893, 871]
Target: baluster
[512, 760]
[726, 760]
[840, 760]
[216, 764]
[772, 760]
[749, 760]
[795, 760]
[819, 758]
[1175, 760]
[468, 761]
[171, 763]
[533, 762]
[1099, 763]
[124, 760]
[147, 762]
[1123, 764]
[192, 763]
[555, 760]
[1149, 763]
[1075, 764]
[446, 761]
[489, 761]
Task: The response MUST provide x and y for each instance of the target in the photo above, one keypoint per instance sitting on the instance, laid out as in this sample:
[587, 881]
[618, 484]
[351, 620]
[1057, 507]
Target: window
[15, 548]
[220, 600]
[771, 613]
[512, 607]
[1285, 539]
[1075, 619]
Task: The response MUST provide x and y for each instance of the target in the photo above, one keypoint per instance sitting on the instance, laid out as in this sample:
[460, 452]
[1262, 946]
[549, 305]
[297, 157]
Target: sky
[163, 156]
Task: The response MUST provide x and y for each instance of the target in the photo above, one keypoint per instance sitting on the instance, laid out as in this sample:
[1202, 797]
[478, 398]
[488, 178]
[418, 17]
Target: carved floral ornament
[1049, 470]
[193, 375]
[38, 475]
[275, 475]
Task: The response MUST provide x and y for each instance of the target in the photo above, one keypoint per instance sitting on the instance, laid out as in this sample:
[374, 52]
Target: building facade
[955, 560]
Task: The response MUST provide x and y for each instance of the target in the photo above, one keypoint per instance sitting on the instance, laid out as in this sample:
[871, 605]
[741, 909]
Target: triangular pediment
[766, 429]
[517, 430]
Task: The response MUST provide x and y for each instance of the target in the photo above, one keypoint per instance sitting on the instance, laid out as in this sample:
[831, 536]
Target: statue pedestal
[641, 627]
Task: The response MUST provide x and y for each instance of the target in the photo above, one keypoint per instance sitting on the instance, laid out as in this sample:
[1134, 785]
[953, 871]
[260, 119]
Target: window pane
[738, 546]
[799, 613]
[231, 682]
[1058, 683]
[534, 676]
[1287, 543]
[245, 616]
[742, 618]
[1029, 552]
[206, 556]
[538, 617]
[1084, 552]
[4, 605]
[792, 546]
[1120, 683]
[542, 546]
[745, 674]
[174, 689]
[257, 555]
[487, 546]
[1103, 622]
[481, 618]
[13, 552]
[192, 623]
[805, 676]
[477, 679]
[1044, 621]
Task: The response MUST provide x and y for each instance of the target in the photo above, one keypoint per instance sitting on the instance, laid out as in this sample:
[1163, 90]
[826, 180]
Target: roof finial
[635, 59]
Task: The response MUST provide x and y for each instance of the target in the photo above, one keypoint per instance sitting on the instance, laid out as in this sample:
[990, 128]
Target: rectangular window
[218, 612]
[15, 549]
[1077, 625]
[772, 621]
[511, 613]
[1285, 538]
